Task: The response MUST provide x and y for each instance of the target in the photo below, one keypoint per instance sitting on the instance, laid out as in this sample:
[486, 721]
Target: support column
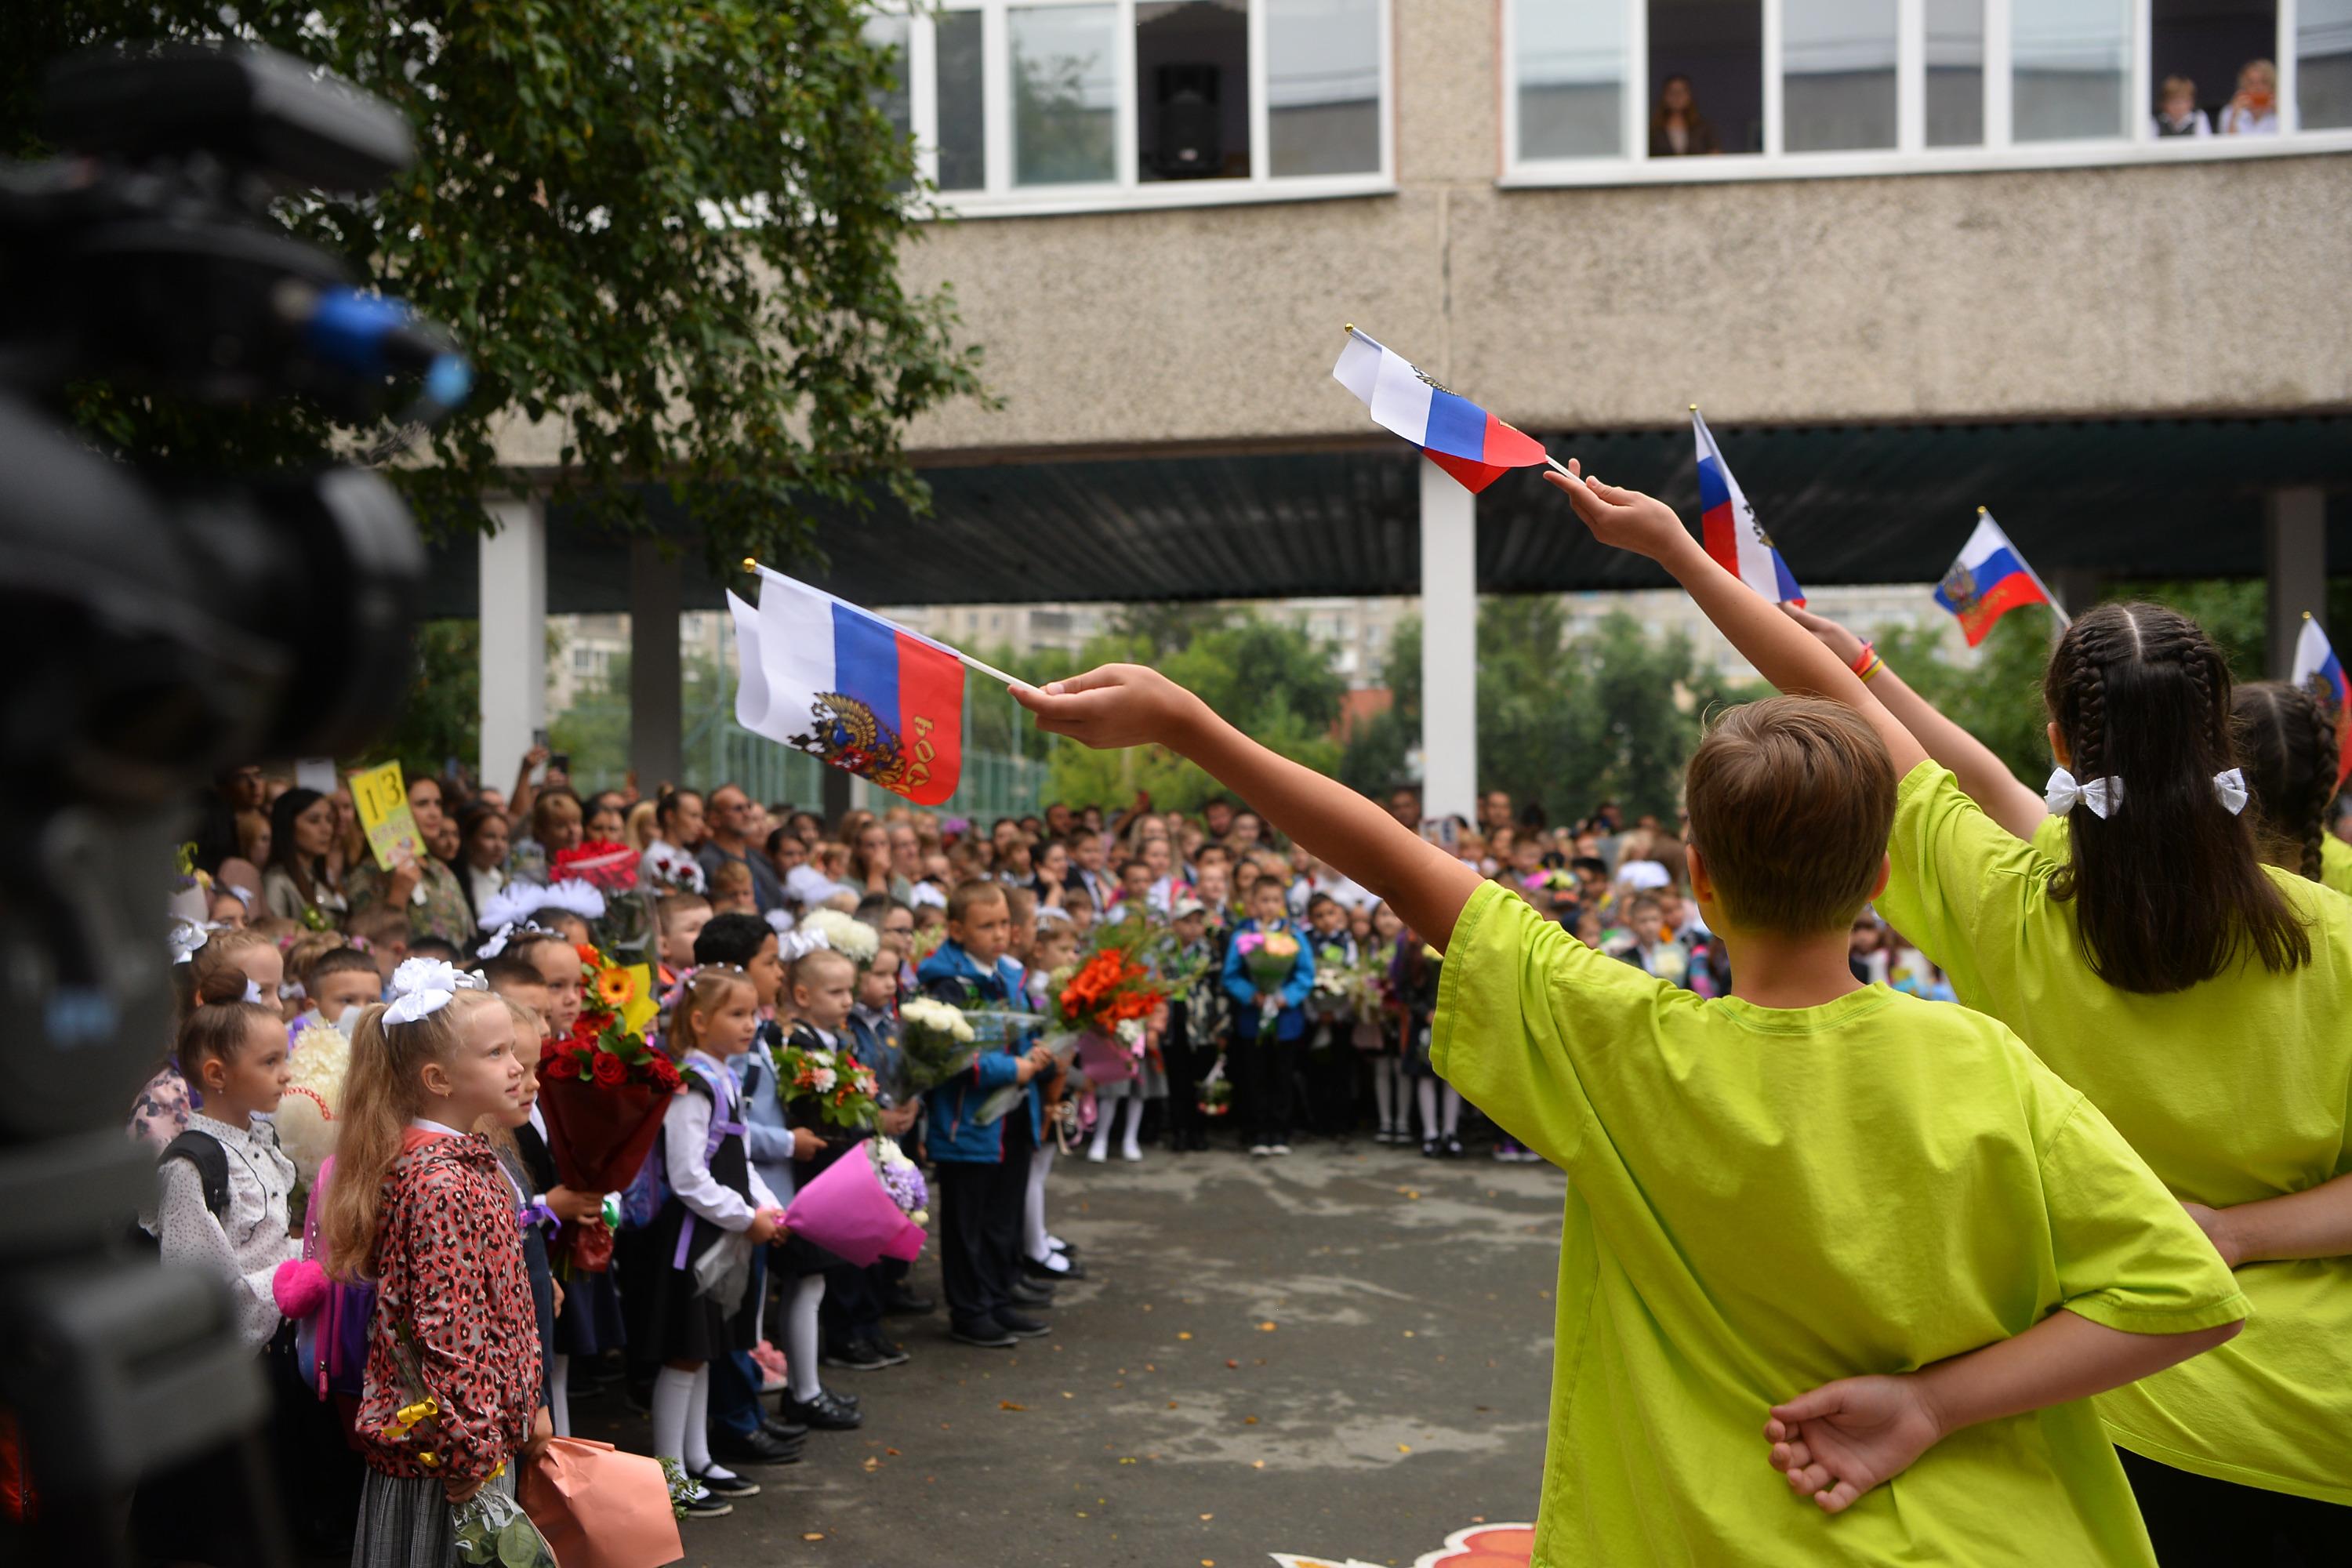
[657, 726]
[2077, 587]
[1449, 646]
[2294, 560]
[513, 634]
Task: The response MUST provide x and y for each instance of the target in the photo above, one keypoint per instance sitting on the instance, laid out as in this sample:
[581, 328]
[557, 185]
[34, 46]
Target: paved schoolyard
[1342, 1355]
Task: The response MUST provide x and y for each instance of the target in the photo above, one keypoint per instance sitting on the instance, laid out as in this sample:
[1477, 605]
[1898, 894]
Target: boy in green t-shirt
[1815, 1224]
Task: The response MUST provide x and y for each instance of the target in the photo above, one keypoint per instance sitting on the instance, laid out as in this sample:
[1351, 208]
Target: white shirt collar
[428, 1125]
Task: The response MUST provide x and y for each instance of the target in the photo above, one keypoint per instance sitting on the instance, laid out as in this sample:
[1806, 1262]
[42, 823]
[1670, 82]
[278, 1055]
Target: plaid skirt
[404, 1521]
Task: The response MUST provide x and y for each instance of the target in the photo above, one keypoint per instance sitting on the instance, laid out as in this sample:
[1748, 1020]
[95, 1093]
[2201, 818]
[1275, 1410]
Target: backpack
[331, 1343]
[202, 1151]
[649, 1189]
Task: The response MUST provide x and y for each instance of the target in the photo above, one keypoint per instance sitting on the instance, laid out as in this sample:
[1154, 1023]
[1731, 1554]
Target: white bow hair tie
[795, 945]
[423, 986]
[2229, 788]
[2063, 794]
[506, 934]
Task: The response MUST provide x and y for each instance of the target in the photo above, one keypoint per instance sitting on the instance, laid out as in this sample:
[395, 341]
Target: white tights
[1033, 1245]
[1430, 1125]
[800, 1337]
[1109, 1099]
[682, 1418]
[559, 1395]
[1387, 1092]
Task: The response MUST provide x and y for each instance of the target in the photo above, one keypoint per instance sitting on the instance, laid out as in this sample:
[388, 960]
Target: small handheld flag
[1990, 579]
[1727, 524]
[2318, 671]
[1458, 435]
[851, 689]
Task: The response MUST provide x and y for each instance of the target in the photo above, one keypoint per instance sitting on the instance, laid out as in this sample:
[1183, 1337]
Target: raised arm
[1782, 652]
[1129, 705]
[2313, 1223]
[1983, 775]
[1842, 1439]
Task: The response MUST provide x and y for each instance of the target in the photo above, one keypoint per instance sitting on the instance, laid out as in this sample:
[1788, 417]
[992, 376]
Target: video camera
[158, 627]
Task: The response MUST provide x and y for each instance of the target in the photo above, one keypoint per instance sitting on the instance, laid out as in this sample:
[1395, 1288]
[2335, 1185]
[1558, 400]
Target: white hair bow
[923, 893]
[187, 937]
[2230, 787]
[423, 986]
[795, 945]
[2104, 796]
[779, 921]
[253, 992]
[496, 944]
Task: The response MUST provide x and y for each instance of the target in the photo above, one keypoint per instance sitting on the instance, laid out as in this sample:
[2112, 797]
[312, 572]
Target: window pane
[1955, 73]
[2323, 40]
[1191, 89]
[1837, 83]
[1323, 87]
[1064, 93]
[896, 101]
[963, 121]
[1707, 77]
[1571, 77]
[2068, 68]
[2197, 48]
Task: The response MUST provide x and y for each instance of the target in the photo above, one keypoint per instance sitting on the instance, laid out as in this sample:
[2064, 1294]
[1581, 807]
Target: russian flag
[1458, 435]
[2318, 671]
[1989, 580]
[846, 686]
[1727, 524]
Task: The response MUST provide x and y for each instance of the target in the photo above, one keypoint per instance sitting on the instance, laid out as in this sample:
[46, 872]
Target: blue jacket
[877, 1044]
[767, 1136]
[1295, 991]
[951, 975]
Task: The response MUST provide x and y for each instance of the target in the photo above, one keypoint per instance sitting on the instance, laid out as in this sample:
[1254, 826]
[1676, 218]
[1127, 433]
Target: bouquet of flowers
[604, 1092]
[938, 1041]
[1216, 1093]
[676, 871]
[1112, 993]
[306, 1117]
[607, 867]
[869, 1203]
[1334, 995]
[491, 1528]
[841, 1087]
[902, 1179]
[1268, 957]
[846, 934]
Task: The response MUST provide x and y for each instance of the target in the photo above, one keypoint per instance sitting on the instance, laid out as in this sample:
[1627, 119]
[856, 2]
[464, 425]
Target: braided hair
[2288, 745]
[2168, 890]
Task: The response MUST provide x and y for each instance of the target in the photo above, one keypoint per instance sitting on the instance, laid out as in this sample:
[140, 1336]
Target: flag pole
[990, 670]
[2066, 621]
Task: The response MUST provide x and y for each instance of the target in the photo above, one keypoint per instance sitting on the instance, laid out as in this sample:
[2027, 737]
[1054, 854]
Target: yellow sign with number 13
[381, 798]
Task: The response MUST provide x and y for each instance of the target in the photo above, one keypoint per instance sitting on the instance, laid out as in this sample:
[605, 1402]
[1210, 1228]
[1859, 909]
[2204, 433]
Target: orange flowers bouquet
[1112, 993]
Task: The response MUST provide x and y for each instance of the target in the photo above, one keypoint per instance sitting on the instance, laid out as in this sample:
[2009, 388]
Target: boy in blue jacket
[1268, 1023]
[983, 1167]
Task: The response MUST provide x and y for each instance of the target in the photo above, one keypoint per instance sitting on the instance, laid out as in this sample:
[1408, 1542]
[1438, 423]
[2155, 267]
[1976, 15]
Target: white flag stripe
[2312, 649]
[751, 679]
[1358, 369]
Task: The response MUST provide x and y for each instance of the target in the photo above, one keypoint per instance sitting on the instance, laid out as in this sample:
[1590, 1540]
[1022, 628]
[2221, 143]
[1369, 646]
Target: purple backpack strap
[724, 1119]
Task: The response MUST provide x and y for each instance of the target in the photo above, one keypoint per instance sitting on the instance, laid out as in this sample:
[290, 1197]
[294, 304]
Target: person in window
[2177, 113]
[1677, 129]
[2254, 111]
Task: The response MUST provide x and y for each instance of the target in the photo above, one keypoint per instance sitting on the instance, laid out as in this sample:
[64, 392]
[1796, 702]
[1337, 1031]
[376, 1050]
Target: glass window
[1955, 65]
[2322, 48]
[1569, 74]
[962, 102]
[1707, 77]
[2195, 50]
[1064, 93]
[2068, 62]
[1191, 89]
[1837, 75]
[1323, 87]
[895, 101]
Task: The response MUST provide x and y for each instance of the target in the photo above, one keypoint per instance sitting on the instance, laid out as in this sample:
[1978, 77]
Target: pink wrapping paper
[598, 1507]
[1103, 1059]
[846, 1210]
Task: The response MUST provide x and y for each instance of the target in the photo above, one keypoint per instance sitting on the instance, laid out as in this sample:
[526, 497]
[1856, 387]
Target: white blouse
[247, 1243]
[686, 1131]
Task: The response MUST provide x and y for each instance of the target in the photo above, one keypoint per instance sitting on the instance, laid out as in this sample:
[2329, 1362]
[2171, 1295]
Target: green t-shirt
[1761, 1201]
[2336, 864]
[2237, 1089]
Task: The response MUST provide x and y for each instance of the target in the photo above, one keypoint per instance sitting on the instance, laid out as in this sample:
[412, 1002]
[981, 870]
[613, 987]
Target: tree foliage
[440, 715]
[670, 232]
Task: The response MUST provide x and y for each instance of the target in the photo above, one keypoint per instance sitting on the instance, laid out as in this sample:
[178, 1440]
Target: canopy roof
[1885, 503]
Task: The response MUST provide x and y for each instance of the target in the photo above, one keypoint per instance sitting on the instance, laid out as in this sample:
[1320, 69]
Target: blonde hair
[702, 995]
[383, 1092]
[216, 970]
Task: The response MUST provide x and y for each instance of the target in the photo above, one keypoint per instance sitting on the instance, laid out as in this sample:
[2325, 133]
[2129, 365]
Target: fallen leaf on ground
[1265, 1328]
[1404, 1447]
[1008, 1404]
[1258, 1464]
[1249, 1420]
[813, 1536]
[1183, 1334]
[1208, 1516]
[1231, 1363]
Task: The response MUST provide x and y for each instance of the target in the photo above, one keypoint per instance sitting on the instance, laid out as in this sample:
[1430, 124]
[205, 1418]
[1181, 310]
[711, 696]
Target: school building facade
[1942, 260]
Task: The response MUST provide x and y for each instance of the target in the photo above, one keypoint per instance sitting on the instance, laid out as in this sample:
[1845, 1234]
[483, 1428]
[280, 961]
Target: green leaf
[519, 1545]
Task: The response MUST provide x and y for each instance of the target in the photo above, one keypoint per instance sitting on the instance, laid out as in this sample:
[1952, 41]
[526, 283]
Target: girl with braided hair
[2195, 995]
[2288, 744]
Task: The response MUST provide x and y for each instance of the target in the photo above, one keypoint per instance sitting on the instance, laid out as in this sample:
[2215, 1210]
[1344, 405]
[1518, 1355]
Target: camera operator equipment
[160, 626]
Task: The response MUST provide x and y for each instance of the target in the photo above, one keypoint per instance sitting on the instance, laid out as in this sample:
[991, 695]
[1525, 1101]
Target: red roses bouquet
[607, 867]
[605, 1091]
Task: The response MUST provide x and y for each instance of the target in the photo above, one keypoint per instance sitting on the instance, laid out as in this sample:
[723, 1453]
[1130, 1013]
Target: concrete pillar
[2077, 587]
[513, 634]
[656, 727]
[2295, 561]
[1449, 646]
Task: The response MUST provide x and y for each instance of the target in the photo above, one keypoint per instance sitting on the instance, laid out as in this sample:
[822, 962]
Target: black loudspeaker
[1191, 134]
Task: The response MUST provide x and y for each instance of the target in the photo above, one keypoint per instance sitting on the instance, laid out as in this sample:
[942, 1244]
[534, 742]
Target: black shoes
[1032, 1293]
[705, 1504]
[828, 1411]
[781, 1430]
[726, 1487]
[865, 1355]
[983, 1333]
[903, 1302]
[755, 1447]
[1045, 1272]
[1014, 1323]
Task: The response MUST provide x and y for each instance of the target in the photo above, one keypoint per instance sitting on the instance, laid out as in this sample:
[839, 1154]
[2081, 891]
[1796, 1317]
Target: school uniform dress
[538, 1228]
[1761, 1200]
[450, 1272]
[2233, 1090]
[713, 1191]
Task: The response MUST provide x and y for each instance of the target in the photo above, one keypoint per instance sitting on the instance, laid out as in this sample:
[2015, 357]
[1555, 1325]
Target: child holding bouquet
[714, 1192]
[452, 1382]
[1269, 974]
[1195, 1035]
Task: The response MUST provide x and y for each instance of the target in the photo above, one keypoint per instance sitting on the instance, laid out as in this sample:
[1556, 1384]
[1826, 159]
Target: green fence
[719, 751]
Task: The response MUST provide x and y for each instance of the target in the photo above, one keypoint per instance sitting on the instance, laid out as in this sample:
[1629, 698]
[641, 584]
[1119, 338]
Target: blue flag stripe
[866, 662]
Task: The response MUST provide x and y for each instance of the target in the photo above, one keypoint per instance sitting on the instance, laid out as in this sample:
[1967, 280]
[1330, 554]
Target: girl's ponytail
[2288, 748]
[2168, 888]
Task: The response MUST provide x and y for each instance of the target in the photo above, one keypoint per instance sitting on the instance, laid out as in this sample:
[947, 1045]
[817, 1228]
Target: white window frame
[2134, 143]
[1127, 191]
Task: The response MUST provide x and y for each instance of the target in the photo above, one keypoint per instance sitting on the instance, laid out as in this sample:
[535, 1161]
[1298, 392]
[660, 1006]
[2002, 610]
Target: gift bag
[600, 1508]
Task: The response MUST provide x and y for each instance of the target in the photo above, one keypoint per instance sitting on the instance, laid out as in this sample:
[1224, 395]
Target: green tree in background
[670, 232]
[595, 729]
[440, 715]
